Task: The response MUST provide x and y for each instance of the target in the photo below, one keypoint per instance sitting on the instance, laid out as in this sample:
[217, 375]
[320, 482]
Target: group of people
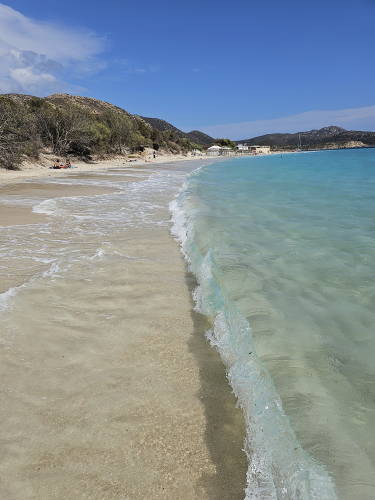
[57, 164]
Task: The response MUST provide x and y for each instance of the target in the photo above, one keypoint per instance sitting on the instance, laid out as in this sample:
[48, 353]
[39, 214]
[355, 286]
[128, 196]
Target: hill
[195, 135]
[161, 125]
[327, 137]
[79, 126]
[200, 138]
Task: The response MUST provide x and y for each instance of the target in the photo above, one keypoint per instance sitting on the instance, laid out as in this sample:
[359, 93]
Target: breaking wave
[278, 468]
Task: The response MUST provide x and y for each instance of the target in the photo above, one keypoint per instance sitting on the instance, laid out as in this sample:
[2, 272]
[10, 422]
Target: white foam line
[7, 296]
[279, 468]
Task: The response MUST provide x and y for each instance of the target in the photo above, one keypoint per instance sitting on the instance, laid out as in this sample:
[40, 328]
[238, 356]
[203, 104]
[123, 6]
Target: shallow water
[283, 248]
[102, 395]
[81, 219]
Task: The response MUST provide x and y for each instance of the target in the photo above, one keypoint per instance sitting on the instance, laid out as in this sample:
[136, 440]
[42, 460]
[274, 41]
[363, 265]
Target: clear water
[81, 228]
[283, 248]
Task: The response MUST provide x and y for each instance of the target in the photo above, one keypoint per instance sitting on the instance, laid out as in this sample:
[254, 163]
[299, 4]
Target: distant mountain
[327, 137]
[194, 136]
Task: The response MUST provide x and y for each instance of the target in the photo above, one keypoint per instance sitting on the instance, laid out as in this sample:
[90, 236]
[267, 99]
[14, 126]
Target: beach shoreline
[119, 394]
[40, 169]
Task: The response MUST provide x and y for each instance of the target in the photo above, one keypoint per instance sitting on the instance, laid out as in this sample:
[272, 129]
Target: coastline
[40, 169]
[143, 411]
[33, 170]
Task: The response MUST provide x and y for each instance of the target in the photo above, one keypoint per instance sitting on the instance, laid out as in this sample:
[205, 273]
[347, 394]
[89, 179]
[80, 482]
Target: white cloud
[351, 118]
[36, 56]
[26, 77]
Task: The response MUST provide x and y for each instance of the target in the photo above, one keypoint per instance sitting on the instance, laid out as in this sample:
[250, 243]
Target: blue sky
[234, 69]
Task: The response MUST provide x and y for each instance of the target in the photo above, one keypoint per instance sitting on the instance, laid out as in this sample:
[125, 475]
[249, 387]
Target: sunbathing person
[56, 164]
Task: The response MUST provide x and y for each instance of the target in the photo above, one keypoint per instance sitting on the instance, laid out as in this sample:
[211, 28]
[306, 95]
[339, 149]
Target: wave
[7, 296]
[279, 468]
[47, 207]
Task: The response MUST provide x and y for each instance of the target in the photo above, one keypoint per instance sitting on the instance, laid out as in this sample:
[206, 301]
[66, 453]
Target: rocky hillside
[195, 135]
[327, 137]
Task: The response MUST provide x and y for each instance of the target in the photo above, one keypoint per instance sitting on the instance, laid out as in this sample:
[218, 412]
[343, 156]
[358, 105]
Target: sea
[283, 250]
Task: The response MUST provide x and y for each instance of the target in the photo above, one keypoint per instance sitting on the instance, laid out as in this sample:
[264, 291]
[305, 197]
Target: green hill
[80, 126]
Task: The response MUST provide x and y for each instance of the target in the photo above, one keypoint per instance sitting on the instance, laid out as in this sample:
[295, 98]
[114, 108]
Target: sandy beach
[32, 170]
[109, 387]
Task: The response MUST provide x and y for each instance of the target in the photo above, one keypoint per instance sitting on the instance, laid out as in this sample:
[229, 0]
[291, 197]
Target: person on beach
[56, 164]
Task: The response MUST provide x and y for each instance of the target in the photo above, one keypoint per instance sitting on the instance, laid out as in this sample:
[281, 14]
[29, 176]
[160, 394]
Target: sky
[231, 69]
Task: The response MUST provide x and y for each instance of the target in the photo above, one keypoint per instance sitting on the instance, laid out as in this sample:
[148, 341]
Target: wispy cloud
[38, 57]
[130, 68]
[351, 118]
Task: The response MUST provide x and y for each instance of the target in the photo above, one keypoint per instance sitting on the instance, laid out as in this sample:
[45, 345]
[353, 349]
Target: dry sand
[109, 388]
[41, 169]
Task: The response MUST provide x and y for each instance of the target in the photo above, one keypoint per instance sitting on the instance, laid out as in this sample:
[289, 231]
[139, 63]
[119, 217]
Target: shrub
[17, 134]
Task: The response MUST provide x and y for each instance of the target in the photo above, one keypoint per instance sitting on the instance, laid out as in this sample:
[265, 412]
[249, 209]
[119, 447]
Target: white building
[256, 150]
[214, 150]
[242, 147]
[226, 151]
[260, 150]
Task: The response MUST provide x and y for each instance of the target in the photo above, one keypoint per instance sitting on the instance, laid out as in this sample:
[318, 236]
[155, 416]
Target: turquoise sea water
[283, 248]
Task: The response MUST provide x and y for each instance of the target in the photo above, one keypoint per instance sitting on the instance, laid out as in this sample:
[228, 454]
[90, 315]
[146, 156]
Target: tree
[225, 142]
[121, 129]
[61, 127]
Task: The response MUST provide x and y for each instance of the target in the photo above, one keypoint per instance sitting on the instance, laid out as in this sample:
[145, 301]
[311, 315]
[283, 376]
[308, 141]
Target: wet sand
[109, 388]
[11, 215]
[51, 190]
[14, 216]
[104, 177]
